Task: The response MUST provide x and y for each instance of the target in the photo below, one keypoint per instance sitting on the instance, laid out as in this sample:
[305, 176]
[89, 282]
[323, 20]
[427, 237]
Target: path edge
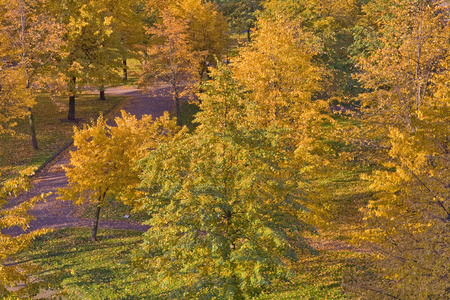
[68, 144]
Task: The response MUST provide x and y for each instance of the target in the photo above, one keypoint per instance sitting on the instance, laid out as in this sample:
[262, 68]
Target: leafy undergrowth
[52, 129]
[104, 269]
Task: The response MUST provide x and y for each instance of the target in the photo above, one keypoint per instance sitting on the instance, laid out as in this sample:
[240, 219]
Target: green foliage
[226, 208]
[241, 14]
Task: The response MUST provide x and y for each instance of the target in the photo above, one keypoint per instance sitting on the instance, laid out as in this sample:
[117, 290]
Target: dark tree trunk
[72, 84]
[32, 129]
[71, 116]
[102, 93]
[97, 217]
[249, 39]
[177, 103]
[125, 70]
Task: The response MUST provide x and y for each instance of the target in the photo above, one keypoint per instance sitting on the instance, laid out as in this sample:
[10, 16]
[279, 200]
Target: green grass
[104, 269]
[112, 210]
[52, 129]
[134, 71]
[93, 270]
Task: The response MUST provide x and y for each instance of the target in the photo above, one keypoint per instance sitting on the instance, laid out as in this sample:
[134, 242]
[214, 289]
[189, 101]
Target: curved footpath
[57, 214]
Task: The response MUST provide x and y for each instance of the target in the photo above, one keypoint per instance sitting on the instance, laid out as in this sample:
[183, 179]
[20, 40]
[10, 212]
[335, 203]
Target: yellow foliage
[406, 116]
[104, 163]
[11, 274]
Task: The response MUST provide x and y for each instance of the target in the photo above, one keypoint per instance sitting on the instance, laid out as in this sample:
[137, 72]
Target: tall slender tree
[207, 30]
[32, 42]
[171, 58]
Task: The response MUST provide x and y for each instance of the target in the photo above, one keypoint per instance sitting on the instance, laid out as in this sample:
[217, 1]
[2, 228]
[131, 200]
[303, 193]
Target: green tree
[241, 14]
[405, 114]
[226, 208]
[103, 163]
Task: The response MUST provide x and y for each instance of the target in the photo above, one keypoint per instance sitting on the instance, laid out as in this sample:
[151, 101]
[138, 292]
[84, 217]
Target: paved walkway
[57, 214]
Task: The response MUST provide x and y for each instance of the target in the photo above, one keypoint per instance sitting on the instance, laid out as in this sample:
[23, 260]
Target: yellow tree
[128, 20]
[279, 71]
[171, 58]
[14, 98]
[333, 22]
[31, 42]
[406, 112]
[11, 274]
[91, 49]
[207, 30]
[104, 163]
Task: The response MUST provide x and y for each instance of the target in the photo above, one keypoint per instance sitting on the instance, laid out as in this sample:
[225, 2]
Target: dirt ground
[57, 214]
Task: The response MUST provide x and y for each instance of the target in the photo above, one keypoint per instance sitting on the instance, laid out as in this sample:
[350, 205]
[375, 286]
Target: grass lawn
[52, 129]
[104, 269]
[93, 270]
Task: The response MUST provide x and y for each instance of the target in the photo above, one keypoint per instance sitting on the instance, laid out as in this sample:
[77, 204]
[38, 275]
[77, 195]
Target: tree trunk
[102, 93]
[125, 70]
[249, 39]
[97, 217]
[72, 88]
[177, 103]
[32, 129]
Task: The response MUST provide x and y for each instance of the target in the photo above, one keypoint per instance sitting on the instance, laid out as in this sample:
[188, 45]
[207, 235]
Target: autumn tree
[333, 23]
[92, 55]
[31, 44]
[103, 165]
[128, 20]
[171, 58]
[227, 212]
[14, 98]
[279, 72]
[11, 275]
[207, 30]
[405, 112]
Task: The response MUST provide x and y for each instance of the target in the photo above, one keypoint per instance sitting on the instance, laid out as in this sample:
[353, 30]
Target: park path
[57, 214]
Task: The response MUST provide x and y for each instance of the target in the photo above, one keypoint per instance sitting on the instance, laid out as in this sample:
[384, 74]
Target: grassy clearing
[112, 210]
[52, 129]
[93, 270]
[134, 71]
[104, 269]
